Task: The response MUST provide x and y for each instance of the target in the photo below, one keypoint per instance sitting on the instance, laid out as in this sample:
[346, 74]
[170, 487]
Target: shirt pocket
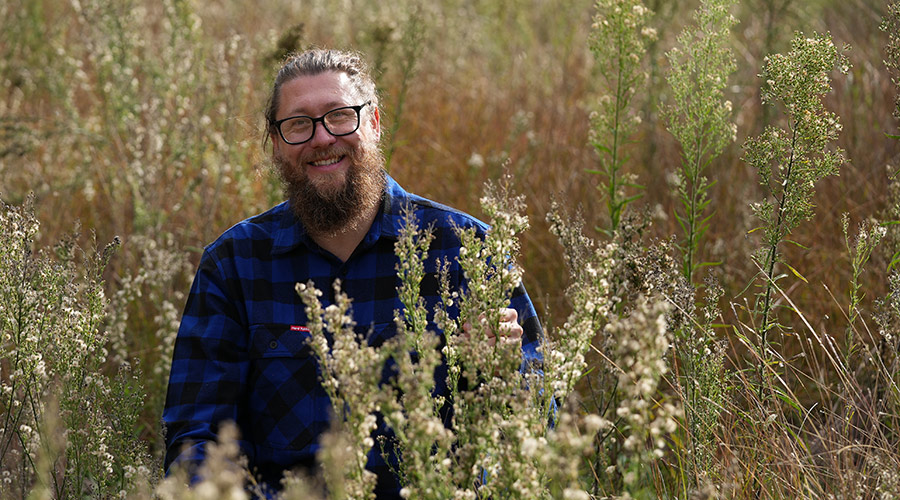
[288, 408]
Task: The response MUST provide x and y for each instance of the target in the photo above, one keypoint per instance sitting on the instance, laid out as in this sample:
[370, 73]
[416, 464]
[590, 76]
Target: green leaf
[755, 229]
[792, 242]
[892, 136]
[787, 399]
[894, 259]
[797, 274]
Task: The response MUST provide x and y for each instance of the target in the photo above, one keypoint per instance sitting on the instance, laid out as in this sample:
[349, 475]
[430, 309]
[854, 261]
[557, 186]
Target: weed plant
[69, 418]
[620, 34]
[700, 117]
[891, 26]
[499, 442]
[791, 160]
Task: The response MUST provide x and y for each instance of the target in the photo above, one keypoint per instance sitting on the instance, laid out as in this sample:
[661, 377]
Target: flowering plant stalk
[501, 416]
[640, 343]
[700, 117]
[52, 349]
[499, 444]
[590, 269]
[618, 42]
[868, 237]
[410, 52]
[632, 335]
[791, 160]
[410, 406]
[891, 25]
[349, 372]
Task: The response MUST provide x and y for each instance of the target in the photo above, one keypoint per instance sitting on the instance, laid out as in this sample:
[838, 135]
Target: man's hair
[316, 61]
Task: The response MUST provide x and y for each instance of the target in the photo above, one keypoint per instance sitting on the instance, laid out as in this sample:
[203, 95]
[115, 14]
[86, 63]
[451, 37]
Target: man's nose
[321, 136]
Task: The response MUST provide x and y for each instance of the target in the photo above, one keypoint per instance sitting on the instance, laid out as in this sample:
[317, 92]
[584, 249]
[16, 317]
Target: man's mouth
[324, 162]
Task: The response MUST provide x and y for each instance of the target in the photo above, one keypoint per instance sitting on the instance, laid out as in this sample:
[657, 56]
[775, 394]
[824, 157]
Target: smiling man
[241, 354]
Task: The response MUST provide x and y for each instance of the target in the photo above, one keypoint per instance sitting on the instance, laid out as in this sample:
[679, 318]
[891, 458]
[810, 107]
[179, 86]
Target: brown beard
[331, 211]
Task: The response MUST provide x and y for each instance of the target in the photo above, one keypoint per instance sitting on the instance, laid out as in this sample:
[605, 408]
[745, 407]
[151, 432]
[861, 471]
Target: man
[241, 352]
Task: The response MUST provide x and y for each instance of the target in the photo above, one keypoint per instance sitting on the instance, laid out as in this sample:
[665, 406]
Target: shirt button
[273, 344]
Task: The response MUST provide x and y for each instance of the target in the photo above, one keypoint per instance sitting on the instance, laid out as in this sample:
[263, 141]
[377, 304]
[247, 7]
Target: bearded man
[241, 354]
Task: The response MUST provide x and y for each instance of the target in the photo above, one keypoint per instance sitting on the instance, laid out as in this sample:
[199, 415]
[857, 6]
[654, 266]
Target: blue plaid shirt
[241, 352]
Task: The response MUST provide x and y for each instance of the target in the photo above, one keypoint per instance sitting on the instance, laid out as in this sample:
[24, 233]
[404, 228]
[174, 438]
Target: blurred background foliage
[143, 120]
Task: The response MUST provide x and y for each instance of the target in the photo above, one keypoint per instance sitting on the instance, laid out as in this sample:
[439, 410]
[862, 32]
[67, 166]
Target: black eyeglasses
[338, 122]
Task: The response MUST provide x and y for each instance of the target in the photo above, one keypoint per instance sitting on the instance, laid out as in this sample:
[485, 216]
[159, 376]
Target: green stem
[18, 334]
[770, 259]
[692, 216]
[613, 203]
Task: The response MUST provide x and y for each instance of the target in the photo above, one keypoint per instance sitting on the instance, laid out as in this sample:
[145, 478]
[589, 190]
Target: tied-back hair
[316, 61]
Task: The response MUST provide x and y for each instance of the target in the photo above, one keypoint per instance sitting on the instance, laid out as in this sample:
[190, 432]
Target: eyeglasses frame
[358, 109]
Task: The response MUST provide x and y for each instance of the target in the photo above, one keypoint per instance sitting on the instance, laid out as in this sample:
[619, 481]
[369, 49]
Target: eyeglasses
[338, 122]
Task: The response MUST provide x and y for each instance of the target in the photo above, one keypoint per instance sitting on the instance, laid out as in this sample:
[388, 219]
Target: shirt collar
[396, 199]
[291, 233]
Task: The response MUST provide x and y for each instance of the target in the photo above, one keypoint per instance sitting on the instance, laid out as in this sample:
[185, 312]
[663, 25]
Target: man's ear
[273, 138]
[376, 123]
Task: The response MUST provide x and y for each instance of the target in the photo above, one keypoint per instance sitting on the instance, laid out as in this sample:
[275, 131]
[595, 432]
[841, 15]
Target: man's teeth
[326, 161]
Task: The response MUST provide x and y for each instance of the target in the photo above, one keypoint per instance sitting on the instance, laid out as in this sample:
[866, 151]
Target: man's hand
[510, 328]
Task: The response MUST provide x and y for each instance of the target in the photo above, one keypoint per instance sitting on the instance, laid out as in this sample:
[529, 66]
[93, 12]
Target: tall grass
[773, 374]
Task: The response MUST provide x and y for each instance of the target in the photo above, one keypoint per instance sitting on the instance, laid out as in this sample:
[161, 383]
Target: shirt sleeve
[532, 331]
[209, 367]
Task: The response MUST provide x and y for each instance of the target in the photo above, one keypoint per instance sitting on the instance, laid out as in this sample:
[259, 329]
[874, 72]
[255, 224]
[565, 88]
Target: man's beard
[330, 210]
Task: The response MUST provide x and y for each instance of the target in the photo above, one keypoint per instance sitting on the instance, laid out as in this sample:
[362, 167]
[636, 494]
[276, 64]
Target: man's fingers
[509, 326]
[511, 330]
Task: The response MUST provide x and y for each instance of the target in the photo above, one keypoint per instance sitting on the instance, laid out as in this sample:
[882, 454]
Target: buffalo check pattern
[241, 353]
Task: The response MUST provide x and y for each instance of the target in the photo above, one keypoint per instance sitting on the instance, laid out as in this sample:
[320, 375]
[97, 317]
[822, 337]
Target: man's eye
[297, 125]
[341, 115]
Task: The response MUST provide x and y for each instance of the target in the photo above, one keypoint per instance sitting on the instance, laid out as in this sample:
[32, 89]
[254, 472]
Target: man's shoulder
[429, 212]
[263, 227]
[445, 214]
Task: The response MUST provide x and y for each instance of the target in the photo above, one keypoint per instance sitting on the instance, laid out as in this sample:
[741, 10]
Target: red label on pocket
[298, 328]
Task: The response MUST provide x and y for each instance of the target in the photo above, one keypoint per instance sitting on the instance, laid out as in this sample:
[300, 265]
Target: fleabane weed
[619, 38]
[700, 116]
[790, 160]
[349, 371]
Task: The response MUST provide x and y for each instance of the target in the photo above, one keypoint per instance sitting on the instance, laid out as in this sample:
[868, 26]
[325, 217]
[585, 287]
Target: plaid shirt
[241, 352]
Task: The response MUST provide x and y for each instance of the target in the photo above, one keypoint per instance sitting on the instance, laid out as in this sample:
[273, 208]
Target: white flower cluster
[591, 267]
[58, 405]
[222, 475]
[639, 346]
[349, 372]
[499, 443]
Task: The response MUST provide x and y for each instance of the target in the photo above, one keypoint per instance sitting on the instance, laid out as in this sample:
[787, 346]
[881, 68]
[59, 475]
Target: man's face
[328, 179]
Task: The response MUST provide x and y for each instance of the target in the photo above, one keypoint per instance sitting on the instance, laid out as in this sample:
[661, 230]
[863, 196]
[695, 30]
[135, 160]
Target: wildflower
[572, 494]
[529, 446]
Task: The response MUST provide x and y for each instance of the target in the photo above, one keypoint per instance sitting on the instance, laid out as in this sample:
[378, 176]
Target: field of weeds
[713, 244]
